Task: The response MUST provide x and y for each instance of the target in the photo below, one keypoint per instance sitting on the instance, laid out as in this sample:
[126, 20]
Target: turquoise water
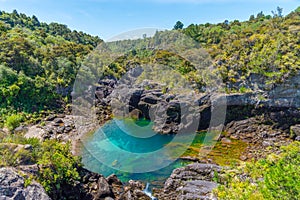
[131, 150]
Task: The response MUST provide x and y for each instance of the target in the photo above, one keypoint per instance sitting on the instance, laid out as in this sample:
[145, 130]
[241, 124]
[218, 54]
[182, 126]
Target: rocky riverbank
[16, 184]
[60, 127]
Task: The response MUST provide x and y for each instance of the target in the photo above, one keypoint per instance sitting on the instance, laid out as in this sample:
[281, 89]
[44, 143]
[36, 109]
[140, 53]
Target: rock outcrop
[193, 182]
[93, 186]
[12, 187]
[60, 127]
[169, 112]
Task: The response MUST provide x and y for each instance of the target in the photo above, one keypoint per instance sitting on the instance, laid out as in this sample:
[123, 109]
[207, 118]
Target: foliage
[38, 62]
[16, 19]
[10, 157]
[263, 46]
[14, 121]
[277, 177]
[10, 143]
[178, 25]
[57, 165]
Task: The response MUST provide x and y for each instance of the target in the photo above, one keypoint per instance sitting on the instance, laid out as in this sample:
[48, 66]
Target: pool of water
[131, 150]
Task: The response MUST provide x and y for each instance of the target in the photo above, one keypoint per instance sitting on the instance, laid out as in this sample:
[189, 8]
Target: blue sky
[107, 18]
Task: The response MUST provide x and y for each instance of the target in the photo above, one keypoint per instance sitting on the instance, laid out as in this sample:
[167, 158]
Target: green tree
[278, 12]
[252, 18]
[178, 25]
[260, 15]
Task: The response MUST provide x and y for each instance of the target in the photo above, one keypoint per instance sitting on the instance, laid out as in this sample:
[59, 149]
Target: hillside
[267, 46]
[264, 47]
[38, 63]
[41, 60]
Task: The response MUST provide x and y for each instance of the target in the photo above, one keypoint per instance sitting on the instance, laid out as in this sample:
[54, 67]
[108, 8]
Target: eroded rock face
[12, 187]
[194, 181]
[59, 127]
[170, 111]
[153, 101]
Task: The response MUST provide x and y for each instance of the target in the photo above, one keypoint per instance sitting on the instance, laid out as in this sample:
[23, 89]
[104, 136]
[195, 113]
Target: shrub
[10, 155]
[277, 177]
[14, 121]
[57, 167]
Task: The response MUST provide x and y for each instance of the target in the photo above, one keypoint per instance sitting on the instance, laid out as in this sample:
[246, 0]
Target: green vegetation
[265, 48]
[15, 19]
[13, 155]
[38, 63]
[265, 45]
[227, 154]
[277, 177]
[223, 154]
[56, 164]
[14, 121]
[178, 25]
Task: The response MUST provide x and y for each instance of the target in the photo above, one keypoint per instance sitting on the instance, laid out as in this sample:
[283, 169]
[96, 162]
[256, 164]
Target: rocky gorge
[228, 92]
[265, 124]
[275, 104]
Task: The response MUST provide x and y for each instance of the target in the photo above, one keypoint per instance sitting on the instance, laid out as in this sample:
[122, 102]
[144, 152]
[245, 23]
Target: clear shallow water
[125, 147]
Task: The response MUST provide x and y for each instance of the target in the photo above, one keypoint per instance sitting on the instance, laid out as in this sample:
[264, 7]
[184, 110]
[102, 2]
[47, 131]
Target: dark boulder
[104, 189]
[113, 179]
[58, 121]
[150, 99]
